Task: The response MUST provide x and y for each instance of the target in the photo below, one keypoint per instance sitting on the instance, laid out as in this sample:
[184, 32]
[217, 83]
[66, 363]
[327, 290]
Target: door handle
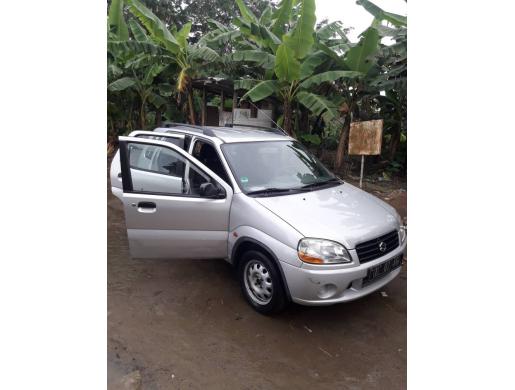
[147, 207]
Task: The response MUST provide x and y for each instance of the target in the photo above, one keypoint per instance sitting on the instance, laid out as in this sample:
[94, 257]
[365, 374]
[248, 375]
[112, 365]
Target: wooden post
[221, 112]
[234, 104]
[203, 106]
[361, 174]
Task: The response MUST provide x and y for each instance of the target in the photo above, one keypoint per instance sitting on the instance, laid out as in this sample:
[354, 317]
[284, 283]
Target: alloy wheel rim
[258, 282]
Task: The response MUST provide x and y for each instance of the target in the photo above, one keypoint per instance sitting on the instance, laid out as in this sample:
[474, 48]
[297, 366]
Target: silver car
[260, 200]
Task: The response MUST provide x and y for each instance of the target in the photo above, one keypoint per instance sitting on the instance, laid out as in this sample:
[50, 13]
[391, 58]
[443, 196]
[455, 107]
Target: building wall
[226, 118]
[242, 117]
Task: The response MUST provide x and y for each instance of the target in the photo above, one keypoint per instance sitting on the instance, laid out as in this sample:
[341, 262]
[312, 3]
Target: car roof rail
[275, 130]
[199, 129]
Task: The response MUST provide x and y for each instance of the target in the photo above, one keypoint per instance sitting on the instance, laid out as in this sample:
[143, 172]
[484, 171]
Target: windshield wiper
[272, 190]
[321, 183]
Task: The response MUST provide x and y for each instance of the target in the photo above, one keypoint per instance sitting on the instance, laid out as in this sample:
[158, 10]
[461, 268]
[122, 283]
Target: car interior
[208, 156]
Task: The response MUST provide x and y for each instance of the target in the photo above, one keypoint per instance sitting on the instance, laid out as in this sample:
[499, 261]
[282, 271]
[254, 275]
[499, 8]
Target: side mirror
[209, 190]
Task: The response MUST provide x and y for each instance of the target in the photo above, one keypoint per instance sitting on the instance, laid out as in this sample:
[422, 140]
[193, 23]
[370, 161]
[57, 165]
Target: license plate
[381, 270]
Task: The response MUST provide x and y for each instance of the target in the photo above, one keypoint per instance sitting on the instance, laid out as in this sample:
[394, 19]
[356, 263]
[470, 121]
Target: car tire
[261, 283]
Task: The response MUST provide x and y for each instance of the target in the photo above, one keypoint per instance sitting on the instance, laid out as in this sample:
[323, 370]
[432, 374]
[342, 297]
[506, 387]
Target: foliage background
[320, 80]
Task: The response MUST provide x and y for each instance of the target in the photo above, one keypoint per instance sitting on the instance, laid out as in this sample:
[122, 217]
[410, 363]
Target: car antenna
[274, 122]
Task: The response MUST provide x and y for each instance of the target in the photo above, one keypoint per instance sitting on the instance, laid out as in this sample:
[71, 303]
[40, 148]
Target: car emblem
[382, 246]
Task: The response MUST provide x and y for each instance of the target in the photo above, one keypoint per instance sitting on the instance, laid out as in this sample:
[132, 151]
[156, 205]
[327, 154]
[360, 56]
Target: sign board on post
[365, 140]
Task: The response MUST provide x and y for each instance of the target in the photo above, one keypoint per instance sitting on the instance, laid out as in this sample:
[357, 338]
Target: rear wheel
[261, 283]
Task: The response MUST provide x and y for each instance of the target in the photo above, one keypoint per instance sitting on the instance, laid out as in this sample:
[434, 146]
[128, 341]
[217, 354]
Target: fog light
[327, 291]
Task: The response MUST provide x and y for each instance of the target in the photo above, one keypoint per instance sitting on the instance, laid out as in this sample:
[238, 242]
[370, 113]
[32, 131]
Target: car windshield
[275, 167]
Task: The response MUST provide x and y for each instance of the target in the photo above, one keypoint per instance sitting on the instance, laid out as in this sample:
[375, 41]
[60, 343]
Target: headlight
[403, 232]
[318, 251]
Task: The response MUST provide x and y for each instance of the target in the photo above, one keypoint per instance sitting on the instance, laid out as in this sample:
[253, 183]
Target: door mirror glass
[210, 190]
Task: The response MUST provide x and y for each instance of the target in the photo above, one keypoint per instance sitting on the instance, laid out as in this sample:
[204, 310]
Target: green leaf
[203, 53]
[152, 72]
[266, 16]
[330, 30]
[245, 12]
[132, 47]
[121, 84]
[117, 23]
[261, 90]
[378, 13]
[310, 63]
[166, 89]
[311, 138]
[138, 32]
[359, 58]
[301, 37]
[156, 100]
[219, 25]
[245, 84]
[332, 54]
[328, 77]
[269, 36]
[156, 28]
[342, 47]
[385, 31]
[386, 84]
[286, 65]
[219, 37]
[261, 58]
[182, 35]
[140, 61]
[281, 16]
[113, 71]
[318, 105]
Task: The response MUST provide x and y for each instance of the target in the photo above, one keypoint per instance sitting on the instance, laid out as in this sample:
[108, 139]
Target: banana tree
[117, 26]
[359, 58]
[391, 84]
[369, 58]
[173, 46]
[291, 64]
[145, 88]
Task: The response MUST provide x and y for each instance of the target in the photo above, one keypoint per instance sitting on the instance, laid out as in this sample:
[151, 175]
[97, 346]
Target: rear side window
[183, 143]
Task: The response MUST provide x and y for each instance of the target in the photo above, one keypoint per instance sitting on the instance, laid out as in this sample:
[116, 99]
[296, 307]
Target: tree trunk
[288, 125]
[316, 126]
[142, 115]
[221, 109]
[159, 119]
[304, 121]
[190, 106]
[342, 143]
[203, 110]
[394, 143]
[234, 104]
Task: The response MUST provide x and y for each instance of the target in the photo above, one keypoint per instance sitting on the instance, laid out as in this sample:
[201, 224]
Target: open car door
[175, 207]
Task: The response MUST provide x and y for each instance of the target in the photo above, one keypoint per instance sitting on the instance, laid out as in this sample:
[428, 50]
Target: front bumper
[326, 286]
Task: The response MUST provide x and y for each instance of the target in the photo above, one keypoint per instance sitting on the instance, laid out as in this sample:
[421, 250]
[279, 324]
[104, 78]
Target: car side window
[158, 169]
[183, 143]
[207, 155]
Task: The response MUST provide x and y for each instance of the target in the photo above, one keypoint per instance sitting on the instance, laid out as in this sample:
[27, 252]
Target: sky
[353, 15]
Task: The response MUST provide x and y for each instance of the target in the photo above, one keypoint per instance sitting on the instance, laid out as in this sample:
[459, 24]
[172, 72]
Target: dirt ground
[185, 325]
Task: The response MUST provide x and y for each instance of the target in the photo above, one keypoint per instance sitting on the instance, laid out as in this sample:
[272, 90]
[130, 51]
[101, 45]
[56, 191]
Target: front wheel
[261, 283]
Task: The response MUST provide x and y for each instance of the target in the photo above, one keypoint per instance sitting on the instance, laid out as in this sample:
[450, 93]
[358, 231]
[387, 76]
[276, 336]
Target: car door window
[158, 169]
[207, 155]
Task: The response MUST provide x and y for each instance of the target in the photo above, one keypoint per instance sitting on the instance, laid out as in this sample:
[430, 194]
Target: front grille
[370, 250]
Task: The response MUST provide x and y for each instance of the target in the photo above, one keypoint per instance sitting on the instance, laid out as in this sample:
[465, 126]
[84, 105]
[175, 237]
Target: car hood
[343, 213]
